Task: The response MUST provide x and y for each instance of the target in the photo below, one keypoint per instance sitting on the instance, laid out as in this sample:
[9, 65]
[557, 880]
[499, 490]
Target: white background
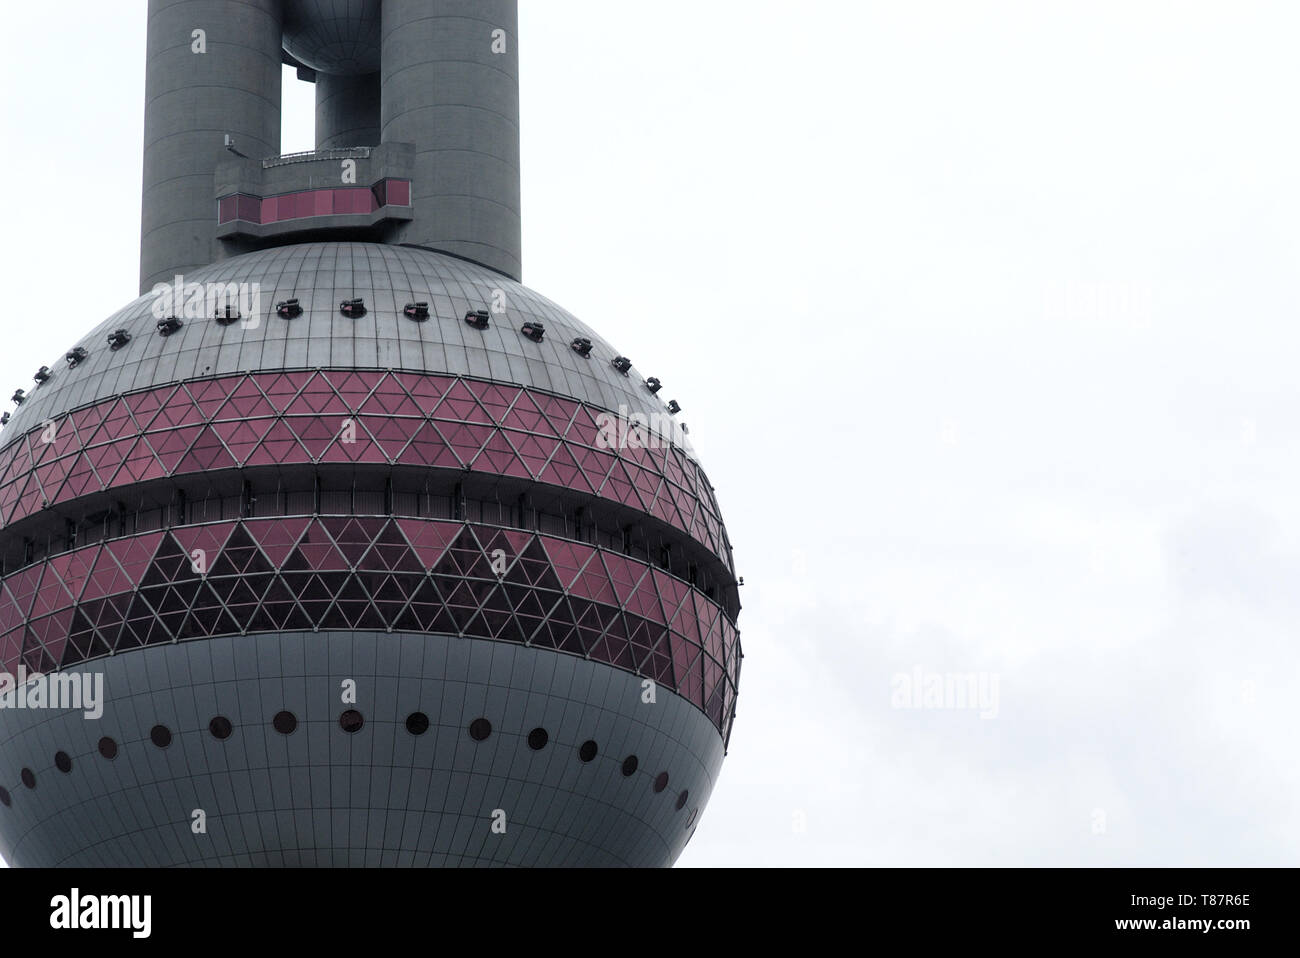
[983, 318]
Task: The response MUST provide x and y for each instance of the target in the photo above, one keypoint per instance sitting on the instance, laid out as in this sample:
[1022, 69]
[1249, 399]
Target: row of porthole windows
[351, 721]
[481, 728]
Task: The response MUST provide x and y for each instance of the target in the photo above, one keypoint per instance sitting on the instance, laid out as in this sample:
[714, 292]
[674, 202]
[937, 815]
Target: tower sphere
[338, 37]
[339, 533]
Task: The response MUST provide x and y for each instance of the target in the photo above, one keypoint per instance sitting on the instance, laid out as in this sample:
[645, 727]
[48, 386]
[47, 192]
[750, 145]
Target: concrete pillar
[347, 111]
[446, 89]
[198, 88]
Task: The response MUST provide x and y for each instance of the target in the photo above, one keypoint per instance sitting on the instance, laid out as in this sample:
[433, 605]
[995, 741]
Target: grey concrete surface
[192, 101]
[377, 797]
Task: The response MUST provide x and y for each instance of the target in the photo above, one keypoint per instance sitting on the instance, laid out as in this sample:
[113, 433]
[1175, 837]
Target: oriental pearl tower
[380, 558]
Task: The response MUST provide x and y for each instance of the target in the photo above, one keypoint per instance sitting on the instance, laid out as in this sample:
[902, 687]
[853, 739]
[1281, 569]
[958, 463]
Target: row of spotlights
[353, 308]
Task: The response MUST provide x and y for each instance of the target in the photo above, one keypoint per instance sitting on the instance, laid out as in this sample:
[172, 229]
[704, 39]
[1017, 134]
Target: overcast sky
[984, 320]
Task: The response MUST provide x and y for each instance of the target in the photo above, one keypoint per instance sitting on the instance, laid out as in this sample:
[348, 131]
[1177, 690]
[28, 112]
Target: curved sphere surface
[339, 37]
[365, 588]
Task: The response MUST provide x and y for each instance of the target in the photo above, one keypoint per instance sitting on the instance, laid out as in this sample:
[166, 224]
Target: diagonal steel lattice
[399, 418]
[372, 574]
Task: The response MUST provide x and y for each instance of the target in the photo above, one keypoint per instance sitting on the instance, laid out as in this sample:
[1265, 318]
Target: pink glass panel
[102, 445]
[398, 192]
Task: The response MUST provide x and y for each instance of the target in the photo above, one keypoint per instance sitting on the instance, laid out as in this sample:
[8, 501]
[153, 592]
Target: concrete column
[347, 111]
[448, 91]
[192, 100]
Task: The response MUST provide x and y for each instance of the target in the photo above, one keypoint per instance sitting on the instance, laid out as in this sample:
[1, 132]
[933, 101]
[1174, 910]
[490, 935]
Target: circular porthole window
[661, 782]
[5, 800]
[29, 779]
[351, 721]
[285, 723]
[682, 799]
[480, 729]
[221, 728]
[107, 748]
[63, 762]
[417, 723]
[537, 739]
[691, 820]
[160, 735]
[629, 766]
[588, 751]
